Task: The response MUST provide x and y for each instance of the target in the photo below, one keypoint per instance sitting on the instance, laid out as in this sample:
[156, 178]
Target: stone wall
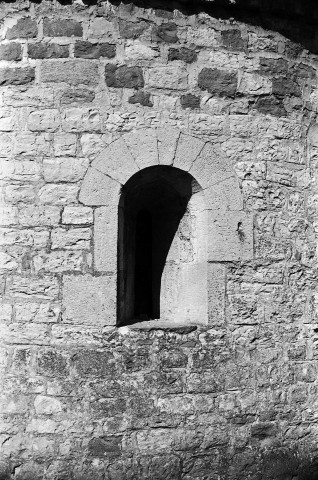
[80, 398]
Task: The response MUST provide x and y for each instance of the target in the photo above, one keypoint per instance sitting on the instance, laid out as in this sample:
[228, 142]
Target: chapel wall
[79, 397]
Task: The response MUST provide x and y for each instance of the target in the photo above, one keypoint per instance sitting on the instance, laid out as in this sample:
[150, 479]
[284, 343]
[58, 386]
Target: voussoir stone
[116, 161]
[99, 189]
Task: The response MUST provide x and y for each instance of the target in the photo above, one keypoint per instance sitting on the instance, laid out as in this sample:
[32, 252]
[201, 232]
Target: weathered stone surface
[24, 28]
[11, 51]
[187, 55]
[44, 120]
[170, 77]
[58, 194]
[143, 98]
[231, 236]
[270, 105]
[232, 39]
[166, 32]
[273, 66]
[77, 215]
[81, 120]
[89, 300]
[132, 29]
[210, 396]
[285, 86]
[99, 189]
[71, 239]
[143, 145]
[210, 167]
[61, 27]
[190, 101]
[187, 151]
[116, 162]
[123, 76]
[64, 169]
[78, 95]
[64, 144]
[218, 82]
[85, 49]
[16, 76]
[47, 50]
[105, 233]
[73, 72]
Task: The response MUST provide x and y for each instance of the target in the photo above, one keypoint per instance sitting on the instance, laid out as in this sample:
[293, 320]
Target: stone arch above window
[228, 229]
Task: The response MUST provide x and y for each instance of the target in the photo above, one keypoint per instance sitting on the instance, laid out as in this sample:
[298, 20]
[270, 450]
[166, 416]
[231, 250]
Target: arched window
[162, 251]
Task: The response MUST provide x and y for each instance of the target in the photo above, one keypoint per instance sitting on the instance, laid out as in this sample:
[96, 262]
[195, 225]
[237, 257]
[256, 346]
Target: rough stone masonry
[90, 95]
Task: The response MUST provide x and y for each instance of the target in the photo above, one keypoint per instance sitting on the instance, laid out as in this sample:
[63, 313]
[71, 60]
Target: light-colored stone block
[167, 144]
[170, 77]
[77, 215]
[225, 195]
[64, 144]
[254, 84]
[47, 120]
[81, 120]
[230, 236]
[143, 146]
[187, 151]
[116, 161]
[211, 166]
[216, 293]
[71, 239]
[105, 239]
[58, 194]
[89, 300]
[99, 189]
[65, 169]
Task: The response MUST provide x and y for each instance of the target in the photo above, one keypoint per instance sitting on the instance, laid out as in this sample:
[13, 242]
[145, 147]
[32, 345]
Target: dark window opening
[143, 266]
[155, 244]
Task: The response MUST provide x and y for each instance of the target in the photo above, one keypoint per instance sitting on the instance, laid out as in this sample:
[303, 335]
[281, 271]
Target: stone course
[92, 94]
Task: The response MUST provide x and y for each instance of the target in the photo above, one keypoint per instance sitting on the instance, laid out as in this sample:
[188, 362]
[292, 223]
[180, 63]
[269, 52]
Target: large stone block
[143, 147]
[71, 239]
[81, 120]
[216, 293]
[123, 76]
[24, 28]
[64, 169]
[99, 189]
[187, 151]
[77, 215]
[166, 32]
[64, 144]
[73, 72]
[230, 236]
[61, 27]
[170, 77]
[59, 261]
[47, 120]
[11, 51]
[225, 195]
[187, 55]
[58, 194]
[167, 144]
[105, 239]
[34, 216]
[84, 49]
[211, 166]
[116, 161]
[218, 82]
[89, 300]
[43, 50]
[16, 76]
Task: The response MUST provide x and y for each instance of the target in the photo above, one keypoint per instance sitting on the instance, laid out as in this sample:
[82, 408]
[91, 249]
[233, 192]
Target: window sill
[178, 327]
